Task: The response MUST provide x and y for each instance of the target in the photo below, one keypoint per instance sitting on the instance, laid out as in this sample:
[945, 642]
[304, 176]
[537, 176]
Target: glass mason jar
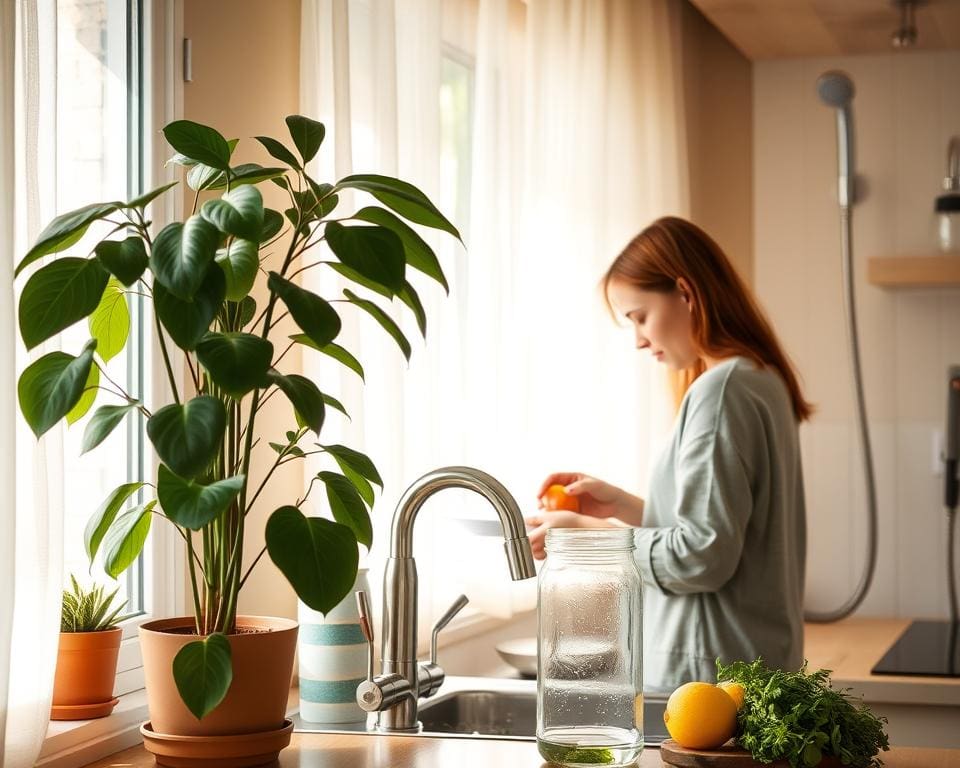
[590, 672]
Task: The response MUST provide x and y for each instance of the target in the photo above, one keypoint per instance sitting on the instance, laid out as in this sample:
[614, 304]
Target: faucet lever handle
[366, 627]
[453, 610]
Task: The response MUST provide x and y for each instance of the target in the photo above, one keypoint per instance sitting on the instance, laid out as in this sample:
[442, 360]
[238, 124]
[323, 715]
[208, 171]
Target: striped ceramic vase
[333, 660]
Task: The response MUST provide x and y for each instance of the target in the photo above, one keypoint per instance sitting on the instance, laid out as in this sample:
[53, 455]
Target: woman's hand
[597, 498]
[559, 519]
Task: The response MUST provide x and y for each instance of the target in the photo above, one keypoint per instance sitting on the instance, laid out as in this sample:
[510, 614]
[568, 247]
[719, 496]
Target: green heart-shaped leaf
[318, 320]
[192, 505]
[103, 518]
[305, 397]
[144, 200]
[87, 398]
[102, 423]
[239, 262]
[51, 386]
[318, 557]
[410, 297]
[110, 321]
[374, 252]
[332, 402]
[401, 197]
[246, 173]
[349, 459]
[65, 230]
[237, 362]
[188, 321]
[386, 322]
[124, 259]
[239, 212]
[248, 309]
[347, 506]
[124, 539]
[278, 151]
[418, 254]
[58, 295]
[203, 672]
[272, 224]
[182, 254]
[335, 351]
[187, 437]
[198, 142]
[203, 177]
[307, 134]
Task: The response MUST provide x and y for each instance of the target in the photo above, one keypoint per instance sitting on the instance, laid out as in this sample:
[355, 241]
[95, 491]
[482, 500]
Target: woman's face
[662, 321]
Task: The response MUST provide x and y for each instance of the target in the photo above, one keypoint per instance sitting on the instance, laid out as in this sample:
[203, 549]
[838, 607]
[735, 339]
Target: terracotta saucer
[240, 751]
[82, 711]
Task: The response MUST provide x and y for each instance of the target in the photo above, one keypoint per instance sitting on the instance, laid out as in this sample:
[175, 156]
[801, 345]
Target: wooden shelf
[939, 271]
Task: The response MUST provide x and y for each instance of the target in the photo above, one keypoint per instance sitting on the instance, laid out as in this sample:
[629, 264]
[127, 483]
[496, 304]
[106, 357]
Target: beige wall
[718, 85]
[906, 107]
[246, 80]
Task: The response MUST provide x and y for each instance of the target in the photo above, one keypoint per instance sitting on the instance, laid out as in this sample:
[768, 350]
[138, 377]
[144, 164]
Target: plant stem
[282, 354]
[307, 494]
[250, 569]
[262, 485]
[166, 360]
[233, 570]
[123, 392]
[193, 580]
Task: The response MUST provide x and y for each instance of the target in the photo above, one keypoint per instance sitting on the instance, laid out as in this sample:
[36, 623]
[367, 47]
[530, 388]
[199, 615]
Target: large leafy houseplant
[200, 274]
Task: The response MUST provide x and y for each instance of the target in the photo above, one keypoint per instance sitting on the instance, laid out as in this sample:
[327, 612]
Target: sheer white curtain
[7, 355]
[577, 144]
[32, 522]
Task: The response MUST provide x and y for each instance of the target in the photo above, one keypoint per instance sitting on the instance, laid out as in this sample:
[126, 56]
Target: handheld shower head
[836, 90]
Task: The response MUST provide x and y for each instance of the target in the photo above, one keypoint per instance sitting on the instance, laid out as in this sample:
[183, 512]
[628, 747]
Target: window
[84, 140]
[98, 158]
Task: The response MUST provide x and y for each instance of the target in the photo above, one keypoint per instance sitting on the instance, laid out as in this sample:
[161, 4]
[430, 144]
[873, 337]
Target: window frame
[160, 90]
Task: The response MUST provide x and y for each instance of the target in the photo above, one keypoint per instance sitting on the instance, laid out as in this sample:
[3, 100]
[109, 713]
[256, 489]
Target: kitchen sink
[493, 713]
[511, 714]
[489, 708]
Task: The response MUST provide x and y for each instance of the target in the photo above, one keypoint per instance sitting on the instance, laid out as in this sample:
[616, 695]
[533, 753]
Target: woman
[721, 538]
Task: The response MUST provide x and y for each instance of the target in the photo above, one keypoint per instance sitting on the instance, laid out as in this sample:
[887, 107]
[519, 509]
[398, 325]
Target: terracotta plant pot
[86, 671]
[262, 670]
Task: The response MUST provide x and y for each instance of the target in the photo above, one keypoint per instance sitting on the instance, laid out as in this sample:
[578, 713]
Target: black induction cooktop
[925, 648]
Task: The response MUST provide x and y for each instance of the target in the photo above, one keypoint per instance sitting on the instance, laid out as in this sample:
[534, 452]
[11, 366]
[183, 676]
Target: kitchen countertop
[309, 750]
[851, 647]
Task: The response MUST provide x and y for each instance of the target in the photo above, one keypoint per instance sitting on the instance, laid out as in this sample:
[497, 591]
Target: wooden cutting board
[727, 756]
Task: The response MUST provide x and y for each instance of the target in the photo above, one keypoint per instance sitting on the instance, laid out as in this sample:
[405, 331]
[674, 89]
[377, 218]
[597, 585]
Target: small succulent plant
[88, 610]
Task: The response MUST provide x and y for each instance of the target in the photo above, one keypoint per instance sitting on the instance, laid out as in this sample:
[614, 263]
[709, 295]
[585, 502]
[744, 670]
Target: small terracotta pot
[86, 668]
[262, 670]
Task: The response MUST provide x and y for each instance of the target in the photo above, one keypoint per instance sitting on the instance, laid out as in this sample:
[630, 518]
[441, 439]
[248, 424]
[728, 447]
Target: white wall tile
[828, 520]
[905, 109]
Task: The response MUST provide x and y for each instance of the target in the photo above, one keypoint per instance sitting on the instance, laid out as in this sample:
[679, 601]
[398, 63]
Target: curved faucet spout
[399, 657]
[516, 543]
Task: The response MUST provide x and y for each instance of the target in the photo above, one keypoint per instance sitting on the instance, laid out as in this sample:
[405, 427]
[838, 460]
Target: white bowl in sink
[521, 654]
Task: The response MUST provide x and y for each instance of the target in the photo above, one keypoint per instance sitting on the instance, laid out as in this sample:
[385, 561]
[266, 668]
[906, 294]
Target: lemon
[700, 716]
[735, 690]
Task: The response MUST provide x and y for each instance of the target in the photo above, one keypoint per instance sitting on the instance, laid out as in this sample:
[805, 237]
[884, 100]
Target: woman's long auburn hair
[727, 320]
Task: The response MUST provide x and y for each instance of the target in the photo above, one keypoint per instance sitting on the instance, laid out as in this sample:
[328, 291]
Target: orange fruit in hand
[700, 716]
[556, 497]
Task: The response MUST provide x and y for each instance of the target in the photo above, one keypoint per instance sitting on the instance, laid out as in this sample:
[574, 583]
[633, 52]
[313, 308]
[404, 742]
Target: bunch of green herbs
[799, 717]
[88, 610]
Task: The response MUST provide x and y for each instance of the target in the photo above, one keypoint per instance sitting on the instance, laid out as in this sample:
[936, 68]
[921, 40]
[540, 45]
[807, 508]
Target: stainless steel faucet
[395, 692]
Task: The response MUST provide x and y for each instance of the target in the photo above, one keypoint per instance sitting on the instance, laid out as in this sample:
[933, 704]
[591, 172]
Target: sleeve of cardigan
[701, 552]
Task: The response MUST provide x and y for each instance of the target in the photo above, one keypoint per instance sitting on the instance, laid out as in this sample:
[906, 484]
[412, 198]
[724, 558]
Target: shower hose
[866, 575]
